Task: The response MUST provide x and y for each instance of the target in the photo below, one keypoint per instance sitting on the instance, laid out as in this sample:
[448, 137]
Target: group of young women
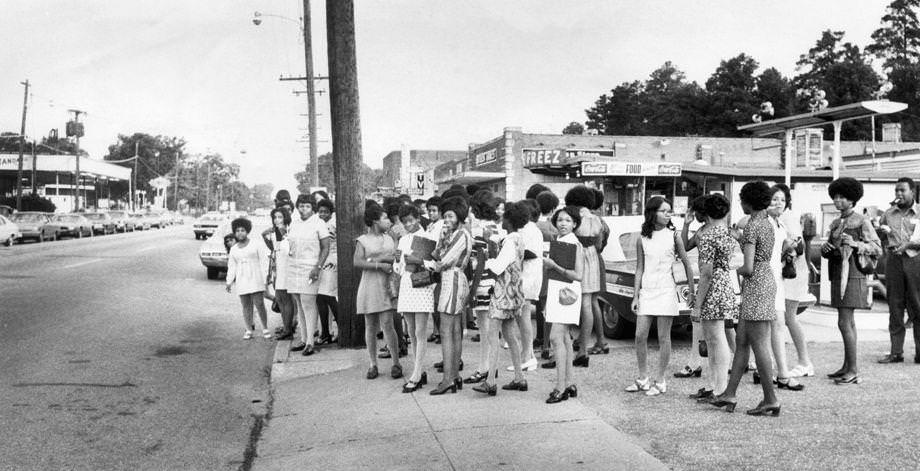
[546, 259]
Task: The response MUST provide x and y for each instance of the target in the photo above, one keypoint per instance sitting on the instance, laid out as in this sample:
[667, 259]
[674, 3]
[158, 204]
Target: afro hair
[517, 214]
[372, 213]
[846, 187]
[715, 206]
[573, 213]
[533, 207]
[328, 204]
[483, 205]
[456, 204]
[598, 200]
[756, 195]
[241, 223]
[580, 195]
[408, 210]
[547, 201]
[535, 190]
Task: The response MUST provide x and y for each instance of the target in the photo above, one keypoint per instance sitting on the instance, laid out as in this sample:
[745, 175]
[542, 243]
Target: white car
[9, 231]
[213, 253]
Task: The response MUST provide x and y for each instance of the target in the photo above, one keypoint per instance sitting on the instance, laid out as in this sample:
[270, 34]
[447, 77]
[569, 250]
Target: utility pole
[176, 189]
[346, 159]
[22, 139]
[207, 193]
[34, 165]
[77, 132]
[134, 178]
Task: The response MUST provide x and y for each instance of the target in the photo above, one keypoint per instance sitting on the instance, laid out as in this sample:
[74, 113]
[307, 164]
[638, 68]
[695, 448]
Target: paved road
[116, 352]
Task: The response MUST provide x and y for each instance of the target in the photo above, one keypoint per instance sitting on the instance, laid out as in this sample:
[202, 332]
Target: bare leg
[557, 336]
[796, 332]
[308, 302]
[759, 335]
[526, 329]
[492, 349]
[719, 355]
[569, 355]
[482, 321]
[457, 336]
[587, 322]
[730, 335]
[246, 302]
[643, 324]
[418, 327]
[371, 326]
[514, 349]
[664, 345]
[739, 363]
[259, 301]
[847, 325]
[598, 320]
[778, 344]
[389, 335]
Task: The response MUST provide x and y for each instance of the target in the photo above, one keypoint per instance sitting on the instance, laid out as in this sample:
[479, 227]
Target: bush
[30, 203]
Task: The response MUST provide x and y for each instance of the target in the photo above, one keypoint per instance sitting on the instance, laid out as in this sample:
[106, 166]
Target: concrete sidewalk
[326, 415]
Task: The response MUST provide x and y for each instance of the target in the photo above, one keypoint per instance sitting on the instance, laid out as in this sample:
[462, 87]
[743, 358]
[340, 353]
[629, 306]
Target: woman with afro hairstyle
[247, 267]
[853, 231]
[506, 300]
[590, 234]
[598, 209]
[758, 297]
[486, 235]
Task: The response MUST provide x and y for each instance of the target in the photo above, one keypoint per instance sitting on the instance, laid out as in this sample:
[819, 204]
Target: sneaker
[266, 334]
[247, 335]
[657, 388]
[801, 370]
[639, 385]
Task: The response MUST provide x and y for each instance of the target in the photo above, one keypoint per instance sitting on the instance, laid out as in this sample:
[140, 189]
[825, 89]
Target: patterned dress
[373, 292]
[759, 290]
[508, 293]
[453, 255]
[411, 299]
[589, 233]
[715, 246]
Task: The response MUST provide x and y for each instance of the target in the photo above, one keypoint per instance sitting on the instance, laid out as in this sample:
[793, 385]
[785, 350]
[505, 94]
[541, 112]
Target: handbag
[789, 267]
[865, 263]
[567, 296]
[703, 349]
[423, 278]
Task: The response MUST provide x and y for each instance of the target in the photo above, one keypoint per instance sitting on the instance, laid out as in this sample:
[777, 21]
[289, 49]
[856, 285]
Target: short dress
[715, 247]
[758, 293]
[329, 275]
[556, 313]
[247, 266]
[776, 263]
[484, 233]
[281, 261]
[795, 288]
[411, 299]
[508, 293]
[533, 268]
[589, 233]
[453, 254]
[856, 295]
[373, 292]
[658, 291]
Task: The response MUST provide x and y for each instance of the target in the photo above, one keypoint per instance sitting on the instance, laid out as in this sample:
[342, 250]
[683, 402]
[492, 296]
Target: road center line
[80, 264]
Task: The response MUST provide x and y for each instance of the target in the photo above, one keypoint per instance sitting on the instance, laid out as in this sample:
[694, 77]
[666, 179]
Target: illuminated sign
[631, 169]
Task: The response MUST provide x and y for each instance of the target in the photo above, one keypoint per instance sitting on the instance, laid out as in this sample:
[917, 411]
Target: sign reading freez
[544, 157]
[635, 169]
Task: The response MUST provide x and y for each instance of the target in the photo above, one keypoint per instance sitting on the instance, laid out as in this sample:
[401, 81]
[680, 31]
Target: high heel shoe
[763, 409]
[581, 361]
[702, 393]
[571, 391]
[787, 383]
[516, 386]
[851, 380]
[728, 405]
[424, 380]
[837, 374]
[688, 372]
[459, 383]
[411, 389]
[486, 388]
[443, 388]
[599, 349]
[556, 396]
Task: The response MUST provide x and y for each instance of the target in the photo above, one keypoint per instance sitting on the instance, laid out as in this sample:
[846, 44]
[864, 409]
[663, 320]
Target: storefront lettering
[630, 169]
[486, 157]
[537, 157]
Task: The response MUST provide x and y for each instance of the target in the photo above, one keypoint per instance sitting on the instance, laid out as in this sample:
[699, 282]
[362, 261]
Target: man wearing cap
[898, 230]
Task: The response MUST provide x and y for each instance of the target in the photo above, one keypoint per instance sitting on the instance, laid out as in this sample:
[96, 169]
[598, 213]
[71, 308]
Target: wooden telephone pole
[346, 159]
[22, 141]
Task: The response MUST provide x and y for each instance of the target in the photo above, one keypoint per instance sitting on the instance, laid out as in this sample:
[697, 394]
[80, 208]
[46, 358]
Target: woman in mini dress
[452, 255]
[758, 299]
[247, 268]
[566, 221]
[850, 233]
[658, 248]
[281, 221]
[327, 294]
[715, 295]
[415, 304]
[374, 254]
[589, 233]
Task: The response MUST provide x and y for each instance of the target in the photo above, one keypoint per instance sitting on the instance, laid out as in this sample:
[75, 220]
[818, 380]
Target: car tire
[615, 325]
[9, 242]
[213, 272]
[54, 236]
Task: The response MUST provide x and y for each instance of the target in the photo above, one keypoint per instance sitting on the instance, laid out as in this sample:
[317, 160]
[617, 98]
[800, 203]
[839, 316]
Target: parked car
[176, 218]
[6, 211]
[616, 303]
[207, 224]
[102, 223]
[213, 252]
[9, 231]
[72, 225]
[141, 222]
[123, 220]
[34, 225]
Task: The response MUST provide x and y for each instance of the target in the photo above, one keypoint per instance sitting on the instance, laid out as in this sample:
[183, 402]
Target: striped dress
[453, 255]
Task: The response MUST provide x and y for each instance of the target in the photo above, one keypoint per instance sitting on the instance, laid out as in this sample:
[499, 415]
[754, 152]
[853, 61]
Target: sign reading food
[632, 169]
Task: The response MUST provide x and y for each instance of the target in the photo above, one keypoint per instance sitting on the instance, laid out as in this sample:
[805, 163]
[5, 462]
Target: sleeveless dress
[715, 247]
[329, 277]
[453, 252]
[412, 299]
[856, 294]
[658, 291]
[758, 293]
[589, 233]
[776, 263]
[508, 292]
[556, 313]
[373, 292]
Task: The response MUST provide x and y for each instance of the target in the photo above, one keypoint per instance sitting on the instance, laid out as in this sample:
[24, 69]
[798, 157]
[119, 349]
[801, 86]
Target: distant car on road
[141, 222]
[123, 221]
[34, 225]
[207, 224]
[9, 231]
[213, 253]
[72, 225]
[159, 218]
[102, 223]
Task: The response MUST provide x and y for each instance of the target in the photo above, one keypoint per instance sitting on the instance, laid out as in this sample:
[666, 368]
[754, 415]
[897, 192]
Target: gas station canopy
[862, 109]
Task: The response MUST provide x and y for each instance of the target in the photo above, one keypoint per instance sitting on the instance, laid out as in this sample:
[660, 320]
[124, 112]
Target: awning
[65, 164]
[862, 109]
[466, 178]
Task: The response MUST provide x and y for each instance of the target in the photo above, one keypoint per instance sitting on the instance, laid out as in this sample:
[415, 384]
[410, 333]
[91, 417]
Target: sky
[432, 74]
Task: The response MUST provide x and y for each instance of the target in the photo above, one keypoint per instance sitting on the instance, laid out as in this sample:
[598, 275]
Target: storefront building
[54, 179]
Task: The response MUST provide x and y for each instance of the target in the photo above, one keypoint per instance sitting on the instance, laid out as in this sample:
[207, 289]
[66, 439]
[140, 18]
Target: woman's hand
[847, 239]
[228, 288]
[635, 304]
[314, 274]
[691, 300]
[549, 264]
[386, 268]
[827, 248]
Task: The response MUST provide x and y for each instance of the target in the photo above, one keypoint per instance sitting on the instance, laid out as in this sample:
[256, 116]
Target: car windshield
[67, 218]
[117, 214]
[212, 218]
[26, 217]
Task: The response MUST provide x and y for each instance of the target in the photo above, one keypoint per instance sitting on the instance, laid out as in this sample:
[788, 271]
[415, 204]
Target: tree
[897, 42]
[368, 181]
[731, 96]
[157, 157]
[619, 112]
[574, 128]
[778, 90]
[262, 195]
[905, 88]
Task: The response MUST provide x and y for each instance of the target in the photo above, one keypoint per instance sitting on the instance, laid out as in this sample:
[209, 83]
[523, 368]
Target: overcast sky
[433, 74]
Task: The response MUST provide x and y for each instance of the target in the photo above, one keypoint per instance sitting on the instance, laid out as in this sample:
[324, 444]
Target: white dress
[281, 257]
[329, 275]
[776, 263]
[658, 291]
[532, 275]
[796, 288]
[556, 312]
[412, 299]
[247, 267]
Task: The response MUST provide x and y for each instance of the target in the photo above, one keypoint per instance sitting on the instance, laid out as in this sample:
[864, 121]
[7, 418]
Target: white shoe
[800, 371]
[657, 388]
[639, 385]
[266, 334]
[529, 365]
[247, 335]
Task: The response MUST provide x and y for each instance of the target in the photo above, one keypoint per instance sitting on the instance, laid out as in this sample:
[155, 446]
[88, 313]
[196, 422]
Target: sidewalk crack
[434, 433]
